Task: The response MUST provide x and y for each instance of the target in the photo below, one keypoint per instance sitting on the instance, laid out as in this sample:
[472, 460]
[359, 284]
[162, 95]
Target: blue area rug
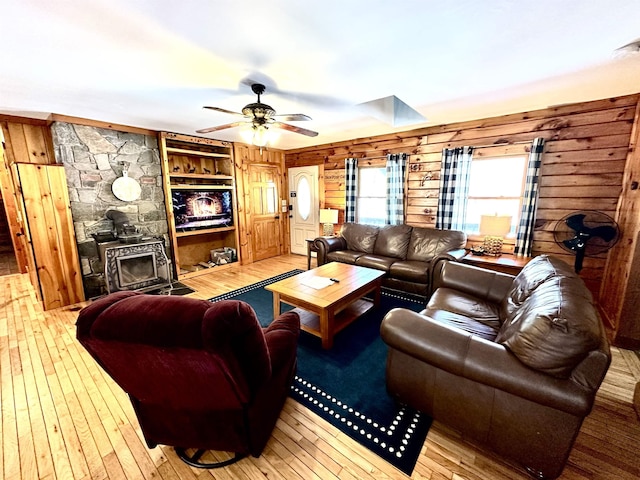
[345, 385]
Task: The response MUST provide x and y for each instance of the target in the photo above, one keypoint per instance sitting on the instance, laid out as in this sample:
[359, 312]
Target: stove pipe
[119, 219]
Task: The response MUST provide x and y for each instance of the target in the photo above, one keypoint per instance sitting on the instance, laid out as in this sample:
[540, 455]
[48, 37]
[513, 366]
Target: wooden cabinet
[200, 197]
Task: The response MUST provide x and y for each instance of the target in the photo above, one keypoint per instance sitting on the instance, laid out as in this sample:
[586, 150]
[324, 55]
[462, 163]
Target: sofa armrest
[476, 281]
[463, 354]
[324, 245]
[440, 259]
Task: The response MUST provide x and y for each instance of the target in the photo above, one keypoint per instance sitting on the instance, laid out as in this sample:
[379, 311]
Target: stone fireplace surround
[93, 158]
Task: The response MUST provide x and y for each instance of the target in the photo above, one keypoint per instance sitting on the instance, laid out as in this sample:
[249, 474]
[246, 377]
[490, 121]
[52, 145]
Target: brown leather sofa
[408, 255]
[512, 362]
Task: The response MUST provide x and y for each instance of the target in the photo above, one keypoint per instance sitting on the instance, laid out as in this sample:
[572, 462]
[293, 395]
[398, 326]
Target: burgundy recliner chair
[200, 375]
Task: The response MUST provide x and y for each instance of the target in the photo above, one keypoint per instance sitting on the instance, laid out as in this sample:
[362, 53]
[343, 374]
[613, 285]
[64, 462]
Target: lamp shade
[495, 225]
[328, 215]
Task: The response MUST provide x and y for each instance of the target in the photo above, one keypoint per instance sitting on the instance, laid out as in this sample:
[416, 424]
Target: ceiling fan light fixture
[258, 117]
[246, 132]
[260, 135]
[258, 110]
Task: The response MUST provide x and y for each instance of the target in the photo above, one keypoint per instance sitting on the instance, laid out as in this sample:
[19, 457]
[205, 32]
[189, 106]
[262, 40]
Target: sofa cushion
[470, 325]
[360, 238]
[344, 256]
[411, 271]
[393, 241]
[535, 273]
[375, 261]
[555, 327]
[465, 311]
[427, 243]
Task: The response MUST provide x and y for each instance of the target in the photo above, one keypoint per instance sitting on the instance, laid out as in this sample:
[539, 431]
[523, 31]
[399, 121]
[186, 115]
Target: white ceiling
[155, 63]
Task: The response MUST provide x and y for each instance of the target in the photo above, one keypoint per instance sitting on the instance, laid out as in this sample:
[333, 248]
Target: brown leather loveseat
[512, 362]
[408, 255]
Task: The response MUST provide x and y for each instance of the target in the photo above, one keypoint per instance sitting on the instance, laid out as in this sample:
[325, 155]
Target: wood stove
[139, 266]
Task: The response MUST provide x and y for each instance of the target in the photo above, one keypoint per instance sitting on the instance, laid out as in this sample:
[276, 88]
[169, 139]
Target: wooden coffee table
[325, 311]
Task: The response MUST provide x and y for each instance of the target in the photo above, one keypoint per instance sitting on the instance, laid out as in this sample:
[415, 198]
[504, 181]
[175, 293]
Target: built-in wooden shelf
[205, 231]
[211, 162]
[198, 186]
[197, 153]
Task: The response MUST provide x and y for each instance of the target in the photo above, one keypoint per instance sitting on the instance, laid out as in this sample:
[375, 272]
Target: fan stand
[580, 251]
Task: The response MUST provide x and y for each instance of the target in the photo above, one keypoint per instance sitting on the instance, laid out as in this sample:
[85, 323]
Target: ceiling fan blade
[293, 117]
[293, 128]
[308, 98]
[223, 110]
[220, 127]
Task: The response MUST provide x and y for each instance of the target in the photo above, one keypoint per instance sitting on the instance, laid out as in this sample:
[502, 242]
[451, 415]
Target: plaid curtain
[351, 189]
[454, 188]
[524, 232]
[396, 170]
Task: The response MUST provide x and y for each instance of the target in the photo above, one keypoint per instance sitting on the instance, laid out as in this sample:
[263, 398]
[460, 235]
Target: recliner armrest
[324, 245]
[281, 337]
[476, 281]
[463, 354]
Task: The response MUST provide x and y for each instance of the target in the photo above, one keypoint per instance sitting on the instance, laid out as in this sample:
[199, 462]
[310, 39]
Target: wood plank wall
[621, 293]
[583, 163]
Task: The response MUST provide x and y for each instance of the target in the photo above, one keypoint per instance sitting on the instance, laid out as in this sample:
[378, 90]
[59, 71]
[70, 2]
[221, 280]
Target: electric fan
[586, 233]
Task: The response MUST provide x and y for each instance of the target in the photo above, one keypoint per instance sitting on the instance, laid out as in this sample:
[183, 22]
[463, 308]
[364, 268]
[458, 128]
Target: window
[303, 198]
[372, 195]
[495, 187]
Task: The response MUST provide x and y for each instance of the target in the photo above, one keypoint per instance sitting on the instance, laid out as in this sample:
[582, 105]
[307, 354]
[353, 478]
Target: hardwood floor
[64, 418]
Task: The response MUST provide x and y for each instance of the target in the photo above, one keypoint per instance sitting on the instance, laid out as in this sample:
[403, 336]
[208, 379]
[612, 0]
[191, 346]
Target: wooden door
[265, 221]
[51, 233]
[303, 195]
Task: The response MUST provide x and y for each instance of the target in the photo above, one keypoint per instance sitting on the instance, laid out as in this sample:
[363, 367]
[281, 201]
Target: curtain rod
[379, 156]
[370, 158]
[524, 142]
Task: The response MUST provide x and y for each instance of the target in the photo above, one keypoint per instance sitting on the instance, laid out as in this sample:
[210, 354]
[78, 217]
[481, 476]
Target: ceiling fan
[260, 117]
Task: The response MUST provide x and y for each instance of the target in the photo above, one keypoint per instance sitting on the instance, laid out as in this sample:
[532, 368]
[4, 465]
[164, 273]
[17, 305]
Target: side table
[505, 263]
[311, 247]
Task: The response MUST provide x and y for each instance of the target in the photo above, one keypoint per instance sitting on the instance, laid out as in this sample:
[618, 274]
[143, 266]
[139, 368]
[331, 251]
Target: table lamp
[494, 228]
[328, 218]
